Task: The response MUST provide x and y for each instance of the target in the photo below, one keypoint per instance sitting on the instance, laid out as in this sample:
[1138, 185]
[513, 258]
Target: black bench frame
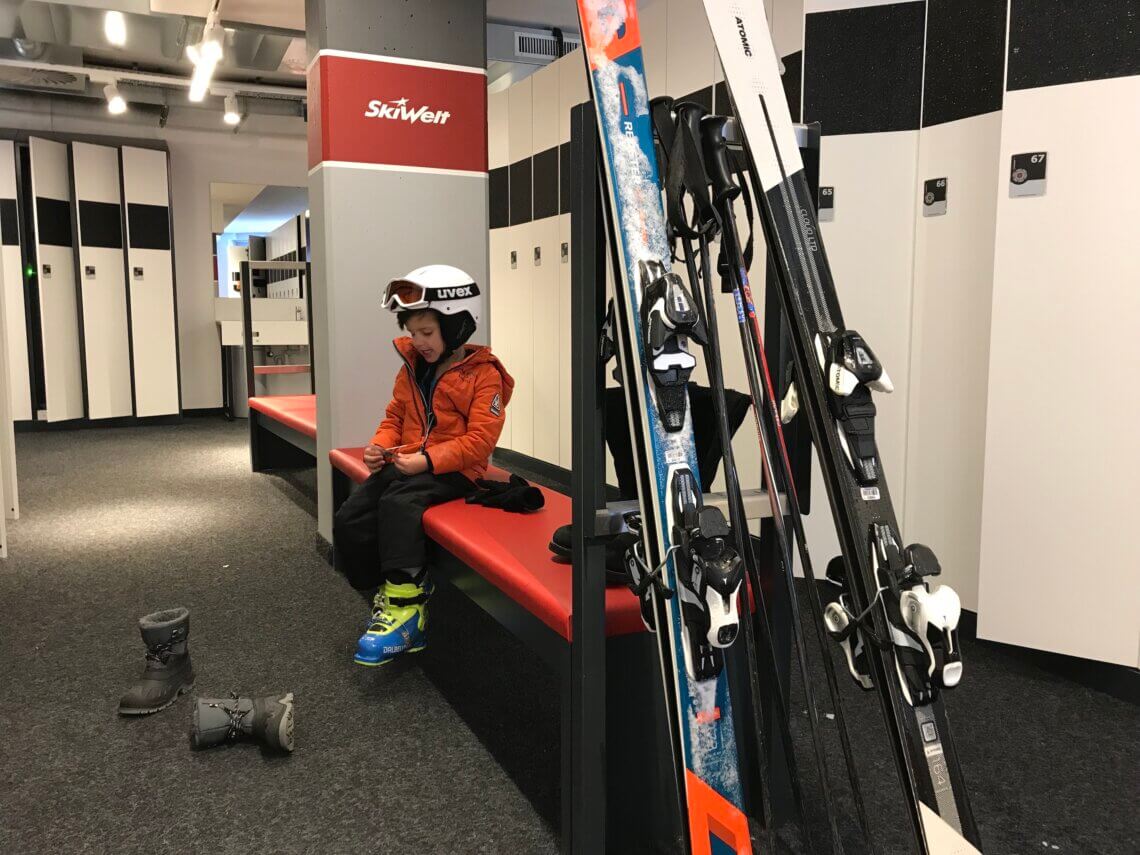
[275, 445]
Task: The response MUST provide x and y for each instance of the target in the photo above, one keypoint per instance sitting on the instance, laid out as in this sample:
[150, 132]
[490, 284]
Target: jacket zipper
[429, 421]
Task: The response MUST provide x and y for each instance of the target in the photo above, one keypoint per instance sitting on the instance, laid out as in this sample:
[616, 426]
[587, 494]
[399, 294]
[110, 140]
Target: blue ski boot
[398, 623]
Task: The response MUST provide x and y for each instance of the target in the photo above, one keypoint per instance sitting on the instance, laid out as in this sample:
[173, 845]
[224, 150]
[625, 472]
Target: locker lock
[89, 271]
[565, 251]
[514, 259]
[137, 272]
[538, 256]
[45, 270]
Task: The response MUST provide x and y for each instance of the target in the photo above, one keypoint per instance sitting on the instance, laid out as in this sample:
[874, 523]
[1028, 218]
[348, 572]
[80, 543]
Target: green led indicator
[30, 271]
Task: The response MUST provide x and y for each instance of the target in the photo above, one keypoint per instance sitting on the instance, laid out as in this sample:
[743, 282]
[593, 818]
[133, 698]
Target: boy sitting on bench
[436, 438]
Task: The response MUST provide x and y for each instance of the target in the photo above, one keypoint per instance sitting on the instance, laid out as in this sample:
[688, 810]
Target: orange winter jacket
[469, 402]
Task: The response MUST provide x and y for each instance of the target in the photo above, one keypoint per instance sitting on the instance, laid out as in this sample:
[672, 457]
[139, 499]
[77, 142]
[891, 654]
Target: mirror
[255, 222]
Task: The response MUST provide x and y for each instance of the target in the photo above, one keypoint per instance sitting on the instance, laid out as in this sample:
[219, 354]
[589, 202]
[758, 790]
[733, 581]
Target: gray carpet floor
[453, 750]
[117, 523]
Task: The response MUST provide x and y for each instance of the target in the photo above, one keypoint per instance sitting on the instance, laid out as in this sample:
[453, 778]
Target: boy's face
[424, 330]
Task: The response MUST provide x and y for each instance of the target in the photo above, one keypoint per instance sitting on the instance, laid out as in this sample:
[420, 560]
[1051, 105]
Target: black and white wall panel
[953, 283]
[499, 216]
[18, 379]
[55, 281]
[1061, 467]
[543, 261]
[862, 81]
[150, 281]
[9, 260]
[102, 280]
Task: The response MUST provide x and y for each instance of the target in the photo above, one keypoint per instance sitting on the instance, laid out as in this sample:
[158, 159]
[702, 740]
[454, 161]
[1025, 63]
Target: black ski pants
[378, 532]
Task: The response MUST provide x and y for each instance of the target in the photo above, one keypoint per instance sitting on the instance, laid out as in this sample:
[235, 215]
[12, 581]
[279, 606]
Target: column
[397, 179]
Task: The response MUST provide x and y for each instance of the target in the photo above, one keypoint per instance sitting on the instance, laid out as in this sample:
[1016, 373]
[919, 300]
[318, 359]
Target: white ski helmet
[447, 290]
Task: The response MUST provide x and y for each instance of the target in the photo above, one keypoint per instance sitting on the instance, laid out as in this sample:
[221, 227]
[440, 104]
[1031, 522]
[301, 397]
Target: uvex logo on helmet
[398, 110]
[457, 293]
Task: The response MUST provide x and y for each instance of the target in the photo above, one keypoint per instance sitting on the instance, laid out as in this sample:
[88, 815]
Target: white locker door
[12, 288]
[55, 257]
[518, 306]
[500, 314]
[102, 284]
[150, 270]
[499, 218]
[8, 496]
[543, 261]
[520, 299]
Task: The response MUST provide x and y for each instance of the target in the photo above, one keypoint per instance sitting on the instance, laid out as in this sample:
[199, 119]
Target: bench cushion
[511, 551]
[298, 412]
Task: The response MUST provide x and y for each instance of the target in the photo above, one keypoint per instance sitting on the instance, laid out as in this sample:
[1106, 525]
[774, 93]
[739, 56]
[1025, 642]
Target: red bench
[282, 431]
[260, 370]
[510, 551]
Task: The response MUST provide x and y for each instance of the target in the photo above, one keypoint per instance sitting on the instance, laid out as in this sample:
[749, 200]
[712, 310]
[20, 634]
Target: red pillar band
[397, 113]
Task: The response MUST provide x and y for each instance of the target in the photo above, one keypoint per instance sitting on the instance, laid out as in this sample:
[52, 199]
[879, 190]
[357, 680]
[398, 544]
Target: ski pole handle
[689, 114]
[717, 162]
[664, 128]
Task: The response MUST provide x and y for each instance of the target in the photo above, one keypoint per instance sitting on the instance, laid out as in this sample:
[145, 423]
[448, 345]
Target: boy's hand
[374, 458]
[410, 464]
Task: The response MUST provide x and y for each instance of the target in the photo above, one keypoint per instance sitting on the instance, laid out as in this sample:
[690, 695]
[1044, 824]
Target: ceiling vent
[535, 45]
[42, 78]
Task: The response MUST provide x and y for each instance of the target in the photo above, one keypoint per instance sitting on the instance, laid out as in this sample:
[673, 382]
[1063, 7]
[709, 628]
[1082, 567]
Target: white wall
[267, 150]
[1059, 553]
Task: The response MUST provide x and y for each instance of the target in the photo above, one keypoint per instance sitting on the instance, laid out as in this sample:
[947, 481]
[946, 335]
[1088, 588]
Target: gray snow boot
[268, 720]
[168, 672]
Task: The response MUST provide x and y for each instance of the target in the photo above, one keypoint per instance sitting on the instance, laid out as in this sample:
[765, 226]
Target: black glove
[515, 495]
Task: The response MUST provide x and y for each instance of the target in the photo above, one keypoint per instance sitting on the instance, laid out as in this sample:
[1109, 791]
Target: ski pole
[678, 132]
[725, 189]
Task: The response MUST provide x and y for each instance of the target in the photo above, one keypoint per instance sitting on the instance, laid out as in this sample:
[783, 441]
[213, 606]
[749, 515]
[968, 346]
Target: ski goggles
[402, 294]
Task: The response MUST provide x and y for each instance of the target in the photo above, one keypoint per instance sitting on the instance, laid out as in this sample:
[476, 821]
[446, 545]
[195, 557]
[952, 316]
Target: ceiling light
[115, 102]
[231, 116]
[203, 74]
[115, 28]
[206, 55]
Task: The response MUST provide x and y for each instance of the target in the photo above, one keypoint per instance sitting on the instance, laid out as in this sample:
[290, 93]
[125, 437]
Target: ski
[898, 635]
[685, 567]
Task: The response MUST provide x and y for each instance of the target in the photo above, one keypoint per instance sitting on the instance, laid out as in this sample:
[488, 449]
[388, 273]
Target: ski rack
[584, 813]
[587, 775]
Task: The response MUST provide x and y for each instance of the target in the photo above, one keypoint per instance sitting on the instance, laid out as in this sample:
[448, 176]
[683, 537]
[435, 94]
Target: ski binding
[709, 575]
[852, 372]
[669, 317]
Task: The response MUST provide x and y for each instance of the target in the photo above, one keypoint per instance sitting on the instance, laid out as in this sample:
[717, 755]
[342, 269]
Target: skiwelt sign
[397, 113]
